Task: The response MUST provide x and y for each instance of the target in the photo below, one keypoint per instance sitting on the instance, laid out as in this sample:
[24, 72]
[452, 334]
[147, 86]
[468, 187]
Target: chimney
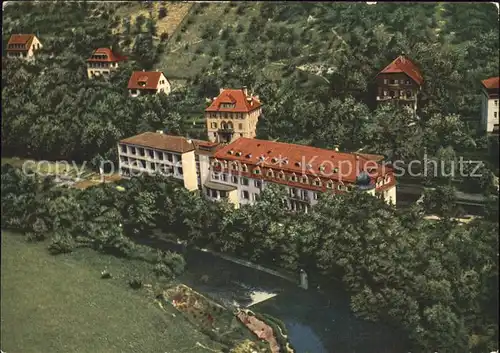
[336, 148]
[257, 98]
[189, 141]
[245, 90]
[220, 90]
[143, 70]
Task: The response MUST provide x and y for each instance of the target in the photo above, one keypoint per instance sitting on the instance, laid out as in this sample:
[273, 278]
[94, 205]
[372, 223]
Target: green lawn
[60, 304]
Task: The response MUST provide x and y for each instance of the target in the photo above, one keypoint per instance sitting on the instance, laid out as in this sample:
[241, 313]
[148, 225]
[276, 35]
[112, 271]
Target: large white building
[240, 170]
[489, 108]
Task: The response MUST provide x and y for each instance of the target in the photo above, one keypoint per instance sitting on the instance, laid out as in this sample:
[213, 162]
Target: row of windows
[226, 115]
[99, 72]
[398, 93]
[223, 125]
[139, 151]
[163, 168]
[99, 65]
[395, 82]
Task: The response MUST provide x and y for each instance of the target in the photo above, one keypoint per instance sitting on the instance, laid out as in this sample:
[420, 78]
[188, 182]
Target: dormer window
[270, 173]
[329, 184]
[244, 168]
[297, 164]
[281, 175]
[234, 166]
[317, 182]
[309, 166]
[304, 179]
[293, 177]
[340, 187]
[238, 154]
[335, 170]
[249, 155]
[256, 170]
[217, 164]
[274, 159]
[230, 152]
[285, 160]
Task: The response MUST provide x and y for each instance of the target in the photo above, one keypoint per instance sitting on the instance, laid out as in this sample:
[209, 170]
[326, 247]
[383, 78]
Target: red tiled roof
[491, 83]
[23, 39]
[301, 160]
[144, 80]
[236, 97]
[166, 142]
[110, 56]
[405, 65]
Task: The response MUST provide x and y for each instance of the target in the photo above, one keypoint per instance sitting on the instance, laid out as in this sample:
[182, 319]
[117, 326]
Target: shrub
[162, 13]
[164, 36]
[61, 244]
[240, 28]
[198, 50]
[162, 269]
[135, 283]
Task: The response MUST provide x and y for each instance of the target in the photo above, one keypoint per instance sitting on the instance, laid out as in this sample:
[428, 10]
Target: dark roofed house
[102, 61]
[401, 82]
[23, 46]
[148, 82]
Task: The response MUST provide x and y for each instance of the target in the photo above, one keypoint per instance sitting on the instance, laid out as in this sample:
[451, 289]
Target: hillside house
[23, 46]
[489, 108]
[148, 82]
[102, 62]
[400, 81]
[234, 113]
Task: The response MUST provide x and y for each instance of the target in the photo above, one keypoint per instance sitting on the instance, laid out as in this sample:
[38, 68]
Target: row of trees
[436, 280]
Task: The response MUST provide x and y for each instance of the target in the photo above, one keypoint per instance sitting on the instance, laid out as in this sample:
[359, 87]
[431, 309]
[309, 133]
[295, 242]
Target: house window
[152, 166]
[151, 154]
[385, 93]
[241, 135]
[180, 171]
[234, 166]
[257, 183]
[496, 102]
[244, 168]
[281, 175]
[386, 81]
[214, 125]
[214, 194]
[408, 82]
[256, 171]
[270, 173]
[141, 151]
[408, 93]
[240, 126]
[393, 94]
[315, 195]
[317, 182]
[392, 82]
[215, 176]
[293, 178]
[234, 179]
[160, 156]
[305, 180]
[134, 151]
[495, 114]
[170, 158]
[223, 194]
[143, 164]
[244, 181]
[245, 194]
[124, 149]
[223, 177]
[208, 192]
[329, 185]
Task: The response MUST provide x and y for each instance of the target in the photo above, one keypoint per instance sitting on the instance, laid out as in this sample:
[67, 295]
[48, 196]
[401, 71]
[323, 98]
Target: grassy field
[60, 305]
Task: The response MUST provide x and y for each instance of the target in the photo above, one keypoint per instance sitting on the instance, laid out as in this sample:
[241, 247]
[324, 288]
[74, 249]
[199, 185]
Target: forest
[437, 281]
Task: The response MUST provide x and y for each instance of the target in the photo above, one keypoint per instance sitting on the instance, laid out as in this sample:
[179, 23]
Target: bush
[135, 283]
[162, 13]
[164, 36]
[61, 244]
[240, 28]
[162, 269]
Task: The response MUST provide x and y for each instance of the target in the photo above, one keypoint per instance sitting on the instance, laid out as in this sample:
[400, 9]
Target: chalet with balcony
[23, 46]
[148, 82]
[401, 82]
[102, 62]
[489, 108]
[233, 114]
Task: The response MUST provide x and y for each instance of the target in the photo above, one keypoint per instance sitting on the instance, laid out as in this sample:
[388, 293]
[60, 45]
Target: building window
[223, 177]
[241, 135]
[234, 166]
[215, 134]
[256, 170]
[208, 192]
[141, 152]
[244, 181]
[386, 81]
[244, 168]
[329, 184]
[152, 166]
[305, 179]
[180, 171]
[124, 148]
[223, 193]
[315, 195]
[234, 179]
[240, 126]
[257, 183]
[281, 175]
[160, 156]
[245, 194]
[151, 154]
[143, 164]
[170, 158]
[215, 176]
[317, 182]
[496, 102]
[408, 82]
[214, 193]
[133, 150]
[495, 114]
[385, 93]
[270, 173]
[293, 177]
[214, 125]
[392, 82]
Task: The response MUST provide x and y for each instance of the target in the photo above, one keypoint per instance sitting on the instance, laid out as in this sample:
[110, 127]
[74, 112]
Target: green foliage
[169, 264]
[61, 244]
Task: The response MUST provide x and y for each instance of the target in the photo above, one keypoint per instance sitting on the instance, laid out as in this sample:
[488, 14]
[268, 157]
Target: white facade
[163, 86]
[489, 112]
